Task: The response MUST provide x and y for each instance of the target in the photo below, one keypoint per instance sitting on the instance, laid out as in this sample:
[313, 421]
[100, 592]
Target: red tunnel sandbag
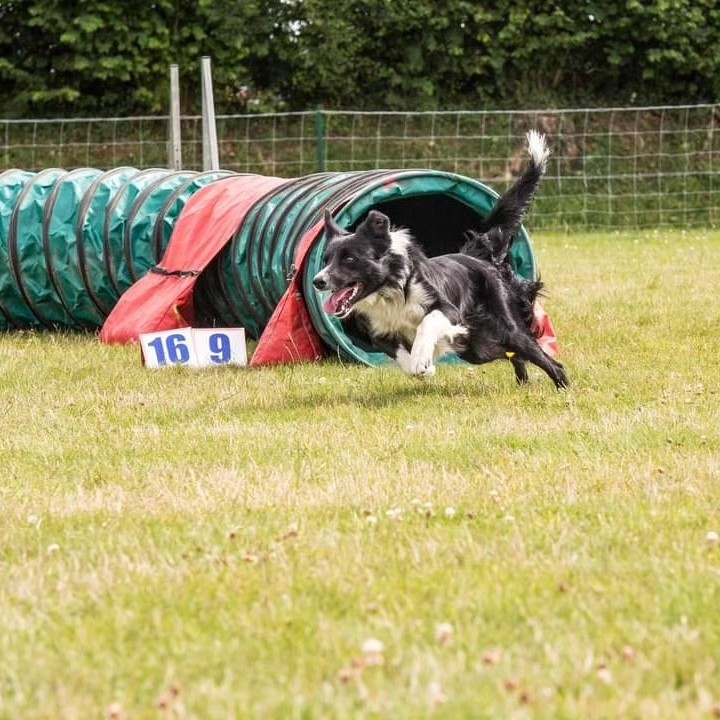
[162, 299]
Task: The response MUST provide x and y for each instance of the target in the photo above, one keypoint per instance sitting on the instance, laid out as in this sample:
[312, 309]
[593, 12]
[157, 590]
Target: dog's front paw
[422, 367]
[561, 380]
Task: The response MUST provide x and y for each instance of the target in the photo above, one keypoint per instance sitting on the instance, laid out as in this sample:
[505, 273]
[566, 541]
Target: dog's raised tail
[538, 149]
[497, 229]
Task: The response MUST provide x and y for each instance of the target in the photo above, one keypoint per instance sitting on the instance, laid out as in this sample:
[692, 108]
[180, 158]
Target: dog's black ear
[377, 224]
[375, 228]
[332, 229]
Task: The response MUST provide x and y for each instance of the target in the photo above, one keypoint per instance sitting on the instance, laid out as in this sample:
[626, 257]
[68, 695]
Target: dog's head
[355, 264]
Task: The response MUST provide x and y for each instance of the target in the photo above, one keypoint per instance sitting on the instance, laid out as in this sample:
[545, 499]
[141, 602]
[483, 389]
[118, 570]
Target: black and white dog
[416, 308]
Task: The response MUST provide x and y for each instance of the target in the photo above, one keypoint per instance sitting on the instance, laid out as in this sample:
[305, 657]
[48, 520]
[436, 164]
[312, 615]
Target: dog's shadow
[372, 389]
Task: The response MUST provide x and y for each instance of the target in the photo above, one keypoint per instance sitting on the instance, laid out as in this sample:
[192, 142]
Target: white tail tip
[538, 148]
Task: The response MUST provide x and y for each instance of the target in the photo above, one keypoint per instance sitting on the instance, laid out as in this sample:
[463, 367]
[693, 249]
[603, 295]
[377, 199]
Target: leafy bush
[93, 56]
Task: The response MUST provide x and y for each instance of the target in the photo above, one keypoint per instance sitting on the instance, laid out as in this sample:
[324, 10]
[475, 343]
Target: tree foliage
[95, 56]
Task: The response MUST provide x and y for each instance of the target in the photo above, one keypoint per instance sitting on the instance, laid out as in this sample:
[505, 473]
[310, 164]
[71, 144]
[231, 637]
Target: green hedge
[79, 57]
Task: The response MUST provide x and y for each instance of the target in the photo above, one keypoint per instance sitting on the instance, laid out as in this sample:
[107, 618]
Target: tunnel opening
[437, 222]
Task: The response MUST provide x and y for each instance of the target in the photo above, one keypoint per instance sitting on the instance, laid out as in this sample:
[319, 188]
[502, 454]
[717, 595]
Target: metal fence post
[175, 144]
[210, 146]
[320, 140]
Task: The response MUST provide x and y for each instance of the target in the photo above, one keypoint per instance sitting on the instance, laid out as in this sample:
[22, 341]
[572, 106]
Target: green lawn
[222, 544]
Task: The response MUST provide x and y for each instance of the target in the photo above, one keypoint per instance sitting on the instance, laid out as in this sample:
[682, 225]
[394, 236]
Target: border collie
[416, 308]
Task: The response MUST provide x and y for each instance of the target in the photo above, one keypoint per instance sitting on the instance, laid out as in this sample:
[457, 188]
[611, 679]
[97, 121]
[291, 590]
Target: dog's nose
[320, 282]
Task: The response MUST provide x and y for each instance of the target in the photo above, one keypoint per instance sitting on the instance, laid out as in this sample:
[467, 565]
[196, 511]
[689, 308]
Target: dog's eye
[348, 259]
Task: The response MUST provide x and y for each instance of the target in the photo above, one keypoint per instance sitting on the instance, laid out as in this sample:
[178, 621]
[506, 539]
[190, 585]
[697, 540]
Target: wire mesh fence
[611, 167]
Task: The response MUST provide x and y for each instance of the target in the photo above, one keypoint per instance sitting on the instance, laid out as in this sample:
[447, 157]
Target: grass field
[225, 544]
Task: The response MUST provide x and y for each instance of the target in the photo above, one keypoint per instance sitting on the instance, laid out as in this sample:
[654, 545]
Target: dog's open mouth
[341, 302]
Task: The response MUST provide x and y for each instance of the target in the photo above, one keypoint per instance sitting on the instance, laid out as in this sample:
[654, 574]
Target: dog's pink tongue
[332, 304]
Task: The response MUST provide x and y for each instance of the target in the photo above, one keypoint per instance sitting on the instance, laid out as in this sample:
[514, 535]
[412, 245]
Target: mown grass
[179, 544]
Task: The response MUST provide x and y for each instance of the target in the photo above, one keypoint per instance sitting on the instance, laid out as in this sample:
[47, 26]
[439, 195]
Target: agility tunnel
[130, 251]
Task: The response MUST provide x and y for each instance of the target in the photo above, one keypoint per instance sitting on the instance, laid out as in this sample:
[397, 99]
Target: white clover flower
[373, 652]
[115, 712]
[373, 646]
[444, 633]
[436, 693]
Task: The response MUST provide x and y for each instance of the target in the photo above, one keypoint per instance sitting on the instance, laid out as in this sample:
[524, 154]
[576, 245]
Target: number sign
[194, 347]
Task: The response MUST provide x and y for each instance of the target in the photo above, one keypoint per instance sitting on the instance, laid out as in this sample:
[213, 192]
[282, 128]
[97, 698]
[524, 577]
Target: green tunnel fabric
[26, 252]
[116, 223]
[12, 183]
[89, 289]
[72, 241]
[62, 214]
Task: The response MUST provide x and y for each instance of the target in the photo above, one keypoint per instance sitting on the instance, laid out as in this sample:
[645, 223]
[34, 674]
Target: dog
[416, 308]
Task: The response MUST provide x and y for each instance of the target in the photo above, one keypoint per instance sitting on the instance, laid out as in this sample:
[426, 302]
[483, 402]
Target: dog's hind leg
[521, 374]
[527, 349]
[435, 336]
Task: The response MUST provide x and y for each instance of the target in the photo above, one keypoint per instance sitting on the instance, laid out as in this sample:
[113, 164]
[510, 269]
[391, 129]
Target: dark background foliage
[78, 57]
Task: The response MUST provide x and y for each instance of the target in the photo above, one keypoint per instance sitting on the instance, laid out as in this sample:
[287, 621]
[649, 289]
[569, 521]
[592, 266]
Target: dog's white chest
[395, 314]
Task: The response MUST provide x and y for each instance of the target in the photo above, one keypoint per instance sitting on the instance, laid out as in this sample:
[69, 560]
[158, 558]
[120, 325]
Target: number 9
[220, 351]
